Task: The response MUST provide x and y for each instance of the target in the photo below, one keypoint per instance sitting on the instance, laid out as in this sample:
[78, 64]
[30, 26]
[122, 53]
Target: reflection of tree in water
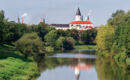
[51, 63]
[107, 69]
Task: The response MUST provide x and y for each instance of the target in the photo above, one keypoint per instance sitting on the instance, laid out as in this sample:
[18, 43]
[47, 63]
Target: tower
[78, 16]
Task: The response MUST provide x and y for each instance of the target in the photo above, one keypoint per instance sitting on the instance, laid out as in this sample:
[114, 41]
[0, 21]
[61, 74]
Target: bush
[30, 44]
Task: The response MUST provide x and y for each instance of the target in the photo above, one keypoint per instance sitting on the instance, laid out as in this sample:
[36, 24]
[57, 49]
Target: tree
[65, 43]
[43, 29]
[1, 26]
[2, 17]
[60, 43]
[88, 36]
[73, 33]
[70, 43]
[30, 44]
[122, 38]
[51, 38]
[104, 38]
[118, 18]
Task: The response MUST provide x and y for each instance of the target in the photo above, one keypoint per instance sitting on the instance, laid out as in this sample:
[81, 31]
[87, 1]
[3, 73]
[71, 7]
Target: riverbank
[85, 47]
[14, 66]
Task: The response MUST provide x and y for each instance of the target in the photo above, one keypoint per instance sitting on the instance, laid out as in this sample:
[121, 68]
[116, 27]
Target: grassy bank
[14, 66]
[85, 47]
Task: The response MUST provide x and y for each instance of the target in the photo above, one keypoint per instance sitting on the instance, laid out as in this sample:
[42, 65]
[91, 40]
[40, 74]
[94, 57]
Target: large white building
[78, 24]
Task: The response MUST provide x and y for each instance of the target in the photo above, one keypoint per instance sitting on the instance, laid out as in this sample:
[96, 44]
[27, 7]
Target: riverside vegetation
[113, 39]
[22, 45]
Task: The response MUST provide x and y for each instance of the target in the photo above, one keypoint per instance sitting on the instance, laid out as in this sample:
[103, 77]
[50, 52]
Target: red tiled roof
[90, 27]
[81, 22]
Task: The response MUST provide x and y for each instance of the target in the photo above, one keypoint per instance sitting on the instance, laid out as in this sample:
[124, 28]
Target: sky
[62, 11]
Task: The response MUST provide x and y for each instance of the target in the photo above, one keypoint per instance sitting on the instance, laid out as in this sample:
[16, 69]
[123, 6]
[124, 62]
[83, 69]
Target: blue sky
[62, 11]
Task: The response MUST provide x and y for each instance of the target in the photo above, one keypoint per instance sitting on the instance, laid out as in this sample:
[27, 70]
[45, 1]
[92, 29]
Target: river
[80, 65]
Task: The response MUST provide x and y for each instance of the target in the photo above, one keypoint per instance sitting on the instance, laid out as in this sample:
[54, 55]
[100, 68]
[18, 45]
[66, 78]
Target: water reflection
[71, 66]
[80, 66]
[108, 69]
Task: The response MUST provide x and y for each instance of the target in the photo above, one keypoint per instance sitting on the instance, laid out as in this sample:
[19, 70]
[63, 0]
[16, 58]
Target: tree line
[37, 39]
[113, 39]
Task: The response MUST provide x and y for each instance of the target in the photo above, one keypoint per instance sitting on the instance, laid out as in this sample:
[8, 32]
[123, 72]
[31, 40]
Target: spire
[78, 12]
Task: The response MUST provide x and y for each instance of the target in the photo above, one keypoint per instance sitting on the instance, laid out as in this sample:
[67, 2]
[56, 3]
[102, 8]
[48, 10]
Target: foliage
[104, 38]
[88, 36]
[66, 43]
[122, 38]
[49, 49]
[114, 38]
[61, 42]
[119, 17]
[51, 37]
[70, 43]
[2, 17]
[30, 45]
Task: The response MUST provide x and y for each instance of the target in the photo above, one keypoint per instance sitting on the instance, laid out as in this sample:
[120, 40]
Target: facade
[78, 24]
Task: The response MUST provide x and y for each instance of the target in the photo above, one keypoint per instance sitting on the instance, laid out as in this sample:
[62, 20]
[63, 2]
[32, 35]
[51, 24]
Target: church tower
[78, 16]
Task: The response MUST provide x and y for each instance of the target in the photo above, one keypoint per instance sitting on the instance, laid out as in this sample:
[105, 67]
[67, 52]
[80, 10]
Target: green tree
[30, 44]
[73, 33]
[1, 26]
[122, 38]
[65, 43]
[51, 37]
[60, 43]
[88, 36]
[2, 17]
[104, 39]
[43, 29]
[70, 43]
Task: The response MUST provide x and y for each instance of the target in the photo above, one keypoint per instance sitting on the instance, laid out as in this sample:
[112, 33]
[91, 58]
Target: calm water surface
[78, 65]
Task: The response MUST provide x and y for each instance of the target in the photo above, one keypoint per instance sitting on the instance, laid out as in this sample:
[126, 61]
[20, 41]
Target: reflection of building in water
[80, 66]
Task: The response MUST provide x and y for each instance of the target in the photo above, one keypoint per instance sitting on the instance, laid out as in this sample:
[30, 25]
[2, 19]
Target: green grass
[85, 47]
[17, 69]
[14, 66]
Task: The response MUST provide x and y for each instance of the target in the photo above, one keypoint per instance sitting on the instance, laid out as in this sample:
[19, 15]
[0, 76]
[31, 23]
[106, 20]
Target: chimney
[21, 20]
[41, 20]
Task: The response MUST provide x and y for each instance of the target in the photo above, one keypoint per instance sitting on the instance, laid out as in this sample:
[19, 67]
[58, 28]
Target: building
[60, 26]
[78, 24]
